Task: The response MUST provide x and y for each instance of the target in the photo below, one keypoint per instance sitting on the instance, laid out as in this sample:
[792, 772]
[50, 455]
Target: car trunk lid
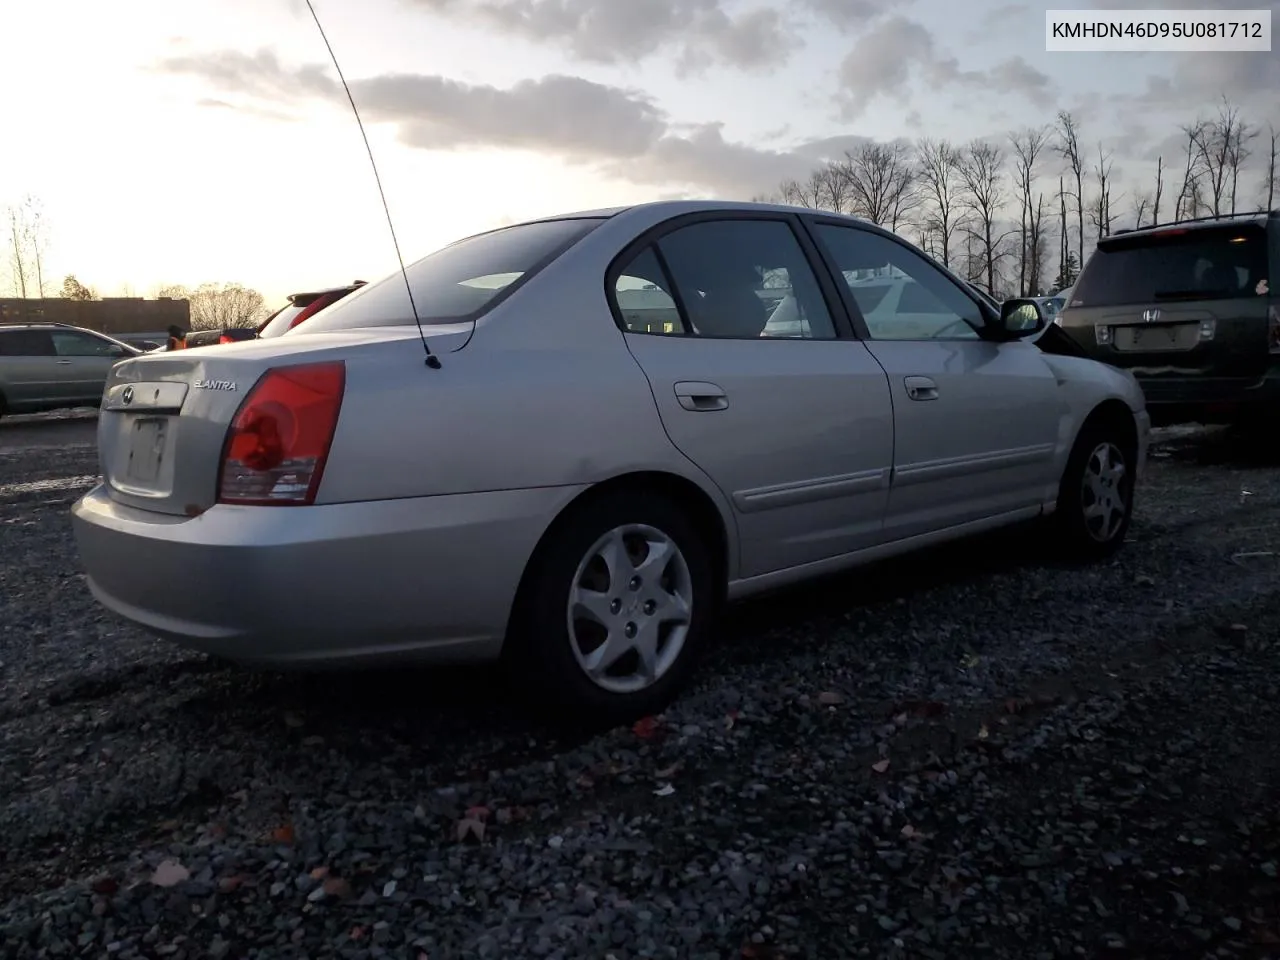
[165, 416]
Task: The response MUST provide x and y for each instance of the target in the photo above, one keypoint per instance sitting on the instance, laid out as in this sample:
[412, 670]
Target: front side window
[457, 282]
[734, 279]
[69, 344]
[900, 295]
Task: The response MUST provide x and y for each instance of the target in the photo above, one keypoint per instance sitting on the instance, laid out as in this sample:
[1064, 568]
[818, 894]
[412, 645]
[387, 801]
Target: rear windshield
[280, 322]
[1201, 264]
[458, 282]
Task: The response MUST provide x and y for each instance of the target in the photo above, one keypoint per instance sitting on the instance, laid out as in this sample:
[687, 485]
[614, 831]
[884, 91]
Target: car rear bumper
[428, 579]
[1210, 399]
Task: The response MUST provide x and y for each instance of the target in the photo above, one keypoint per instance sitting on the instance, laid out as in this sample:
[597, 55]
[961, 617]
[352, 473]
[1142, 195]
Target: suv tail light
[276, 446]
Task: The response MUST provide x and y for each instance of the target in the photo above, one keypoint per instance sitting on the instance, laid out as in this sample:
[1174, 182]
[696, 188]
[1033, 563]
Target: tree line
[213, 305]
[990, 210]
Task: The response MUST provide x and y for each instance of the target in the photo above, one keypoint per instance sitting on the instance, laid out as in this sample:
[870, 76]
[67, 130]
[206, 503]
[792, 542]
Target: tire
[1081, 533]
[550, 652]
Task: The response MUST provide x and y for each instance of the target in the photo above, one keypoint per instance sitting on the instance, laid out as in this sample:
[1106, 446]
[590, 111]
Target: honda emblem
[1150, 316]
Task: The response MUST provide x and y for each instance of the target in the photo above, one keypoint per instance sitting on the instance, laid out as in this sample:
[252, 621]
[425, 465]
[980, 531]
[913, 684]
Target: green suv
[48, 366]
[1188, 308]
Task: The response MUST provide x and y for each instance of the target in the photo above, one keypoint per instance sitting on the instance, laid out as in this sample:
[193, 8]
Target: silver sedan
[590, 438]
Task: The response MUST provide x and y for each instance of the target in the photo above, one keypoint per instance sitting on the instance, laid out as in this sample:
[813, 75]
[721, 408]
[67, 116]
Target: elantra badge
[215, 385]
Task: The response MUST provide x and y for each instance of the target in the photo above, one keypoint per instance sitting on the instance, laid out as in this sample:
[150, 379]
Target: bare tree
[1189, 192]
[938, 165]
[1100, 211]
[217, 306]
[17, 250]
[1140, 203]
[1240, 151]
[26, 246]
[1064, 245]
[37, 240]
[881, 181]
[1221, 146]
[1155, 203]
[1269, 178]
[982, 176]
[1069, 150]
[1027, 147]
[1038, 243]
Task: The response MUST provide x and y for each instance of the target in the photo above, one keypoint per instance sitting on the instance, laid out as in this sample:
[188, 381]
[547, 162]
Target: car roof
[1258, 218]
[679, 207]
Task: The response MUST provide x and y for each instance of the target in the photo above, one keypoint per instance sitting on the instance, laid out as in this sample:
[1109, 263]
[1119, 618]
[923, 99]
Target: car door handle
[62, 361]
[698, 396]
[921, 388]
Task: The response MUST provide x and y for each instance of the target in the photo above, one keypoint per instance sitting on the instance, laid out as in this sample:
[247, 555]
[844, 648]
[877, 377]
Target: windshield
[1219, 263]
[458, 282]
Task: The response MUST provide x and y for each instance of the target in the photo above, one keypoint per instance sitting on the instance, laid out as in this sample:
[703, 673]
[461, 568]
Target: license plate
[146, 449]
[1173, 336]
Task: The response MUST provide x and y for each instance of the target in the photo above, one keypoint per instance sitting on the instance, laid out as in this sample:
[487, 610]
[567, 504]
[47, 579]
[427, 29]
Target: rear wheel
[1095, 499]
[615, 610]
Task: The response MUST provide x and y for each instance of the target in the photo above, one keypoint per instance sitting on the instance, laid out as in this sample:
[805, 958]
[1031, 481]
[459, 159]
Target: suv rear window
[1218, 263]
[458, 282]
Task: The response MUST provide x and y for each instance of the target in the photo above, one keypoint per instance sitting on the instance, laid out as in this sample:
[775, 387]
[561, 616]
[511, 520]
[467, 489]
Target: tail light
[277, 444]
[225, 339]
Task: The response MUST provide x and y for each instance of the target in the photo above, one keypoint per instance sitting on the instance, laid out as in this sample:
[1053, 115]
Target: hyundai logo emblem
[127, 397]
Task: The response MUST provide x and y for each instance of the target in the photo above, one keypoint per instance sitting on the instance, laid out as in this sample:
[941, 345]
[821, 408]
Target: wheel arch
[1114, 413]
[706, 514]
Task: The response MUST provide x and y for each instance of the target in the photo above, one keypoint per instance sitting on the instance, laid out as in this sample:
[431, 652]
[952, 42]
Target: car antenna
[432, 360]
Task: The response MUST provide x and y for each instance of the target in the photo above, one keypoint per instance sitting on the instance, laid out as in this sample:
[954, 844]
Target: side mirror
[1020, 318]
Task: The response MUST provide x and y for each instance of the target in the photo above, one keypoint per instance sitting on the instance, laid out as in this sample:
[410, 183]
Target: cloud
[701, 32]
[853, 14]
[886, 59]
[620, 131]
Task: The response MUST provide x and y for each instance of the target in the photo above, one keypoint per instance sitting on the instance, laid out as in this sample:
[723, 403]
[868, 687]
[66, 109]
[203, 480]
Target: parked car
[572, 486]
[52, 366]
[303, 306]
[1188, 308]
[208, 338]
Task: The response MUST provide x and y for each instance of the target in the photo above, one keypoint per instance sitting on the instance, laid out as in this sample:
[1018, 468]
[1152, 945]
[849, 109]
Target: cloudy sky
[209, 139]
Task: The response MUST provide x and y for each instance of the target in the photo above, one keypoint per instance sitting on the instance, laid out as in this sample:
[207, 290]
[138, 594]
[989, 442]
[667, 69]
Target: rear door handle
[699, 396]
[921, 388]
[62, 361]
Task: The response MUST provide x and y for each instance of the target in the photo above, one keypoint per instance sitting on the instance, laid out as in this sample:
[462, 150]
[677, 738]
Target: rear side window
[460, 281]
[1199, 264]
[26, 343]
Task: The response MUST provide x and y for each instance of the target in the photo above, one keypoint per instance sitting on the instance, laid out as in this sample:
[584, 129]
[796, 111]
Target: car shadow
[437, 713]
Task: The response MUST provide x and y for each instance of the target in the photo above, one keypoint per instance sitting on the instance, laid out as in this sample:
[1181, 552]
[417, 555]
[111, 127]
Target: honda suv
[1189, 310]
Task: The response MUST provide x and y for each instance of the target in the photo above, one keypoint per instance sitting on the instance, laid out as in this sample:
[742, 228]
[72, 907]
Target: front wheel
[617, 607]
[1095, 499]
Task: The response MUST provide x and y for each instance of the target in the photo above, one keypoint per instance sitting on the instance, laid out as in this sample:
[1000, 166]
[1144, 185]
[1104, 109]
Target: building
[127, 318]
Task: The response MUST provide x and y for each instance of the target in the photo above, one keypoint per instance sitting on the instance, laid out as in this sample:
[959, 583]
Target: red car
[301, 306]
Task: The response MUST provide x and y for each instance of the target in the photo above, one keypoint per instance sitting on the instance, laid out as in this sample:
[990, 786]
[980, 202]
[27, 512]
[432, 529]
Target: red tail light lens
[277, 444]
[225, 339]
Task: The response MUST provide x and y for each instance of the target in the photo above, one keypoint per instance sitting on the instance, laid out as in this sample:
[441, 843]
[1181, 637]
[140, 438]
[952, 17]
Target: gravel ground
[971, 753]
